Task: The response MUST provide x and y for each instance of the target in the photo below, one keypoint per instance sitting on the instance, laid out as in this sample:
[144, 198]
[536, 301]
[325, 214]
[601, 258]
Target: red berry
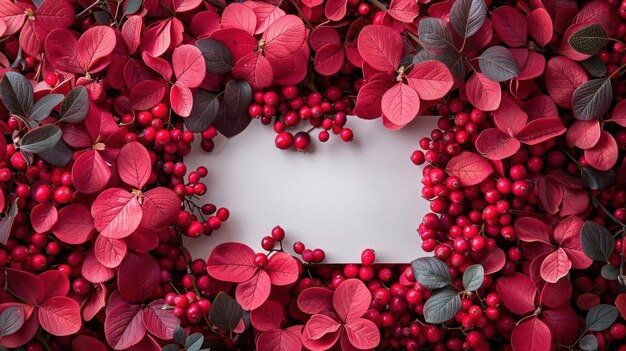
[302, 141]
[278, 233]
[260, 259]
[284, 140]
[51, 79]
[346, 134]
[368, 256]
[267, 243]
[298, 247]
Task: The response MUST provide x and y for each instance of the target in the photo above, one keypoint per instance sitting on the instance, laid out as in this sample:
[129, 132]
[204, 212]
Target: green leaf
[102, 18]
[591, 100]
[180, 335]
[216, 55]
[44, 106]
[597, 180]
[235, 118]
[589, 40]
[467, 16]
[75, 107]
[203, 113]
[588, 342]
[442, 306]
[473, 277]
[194, 342]
[41, 139]
[594, 66]
[6, 224]
[11, 320]
[498, 64]
[57, 155]
[225, 312]
[609, 272]
[601, 317]
[431, 272]
[132, 6]
[171, 347]
[597, 242]
[16, 94]
[435, 34]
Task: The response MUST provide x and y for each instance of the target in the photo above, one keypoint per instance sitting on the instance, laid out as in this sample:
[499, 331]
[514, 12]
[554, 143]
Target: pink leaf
[282, 269]
[55, 283]
[90, 173]
[116, 213]
[351, 299]
[494, 261]
[43, 217]
[87, 343]
[252, 293]
[189, 66]
[181, 99]
[568, 229]
[510, 25]
[400, 104]
[335, 10]
[540, 106]
[619, 114]
[133, 165]
[323, 35]
[363, 334]
[321, 344]
[329, 59]
[603, 156]
[146, 94]
[495, 144]
[60, 316]
[555, 266]
[266, 14]
[380, 47]
[123, 326]
[575, 201]
[94, 271]
[231, 262]
[540, 26]
[160, 208]
[12, 14]
[620, 303]
[185, 5]
[159, 65]
[530, 229]
[483, 93]
[563, 76]
[267, 317]
[403, 10]
[160, 321]
[509, 117]
[95, 302]
[531, 335]
[28, 329]
[25, 286]
[255, 69]
[74, 225]
[158, 38]
[559, 322]
[237, 15]
[517, 293]
[239, 42]
[284, 36]
[550, 193]
[431, 79]
[48, 16]
[557, 294]
[110, 252]
[320, 325]
[279, 340]
[94, 48]
[583, 134]
[540, 130]
[131, 32]
[470, 167]
[315, 300]
[368, 102]
[60, 51]
[531, 64]
[138, 277]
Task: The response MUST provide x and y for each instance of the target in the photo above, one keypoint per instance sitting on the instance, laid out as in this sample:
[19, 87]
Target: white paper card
[342, 197]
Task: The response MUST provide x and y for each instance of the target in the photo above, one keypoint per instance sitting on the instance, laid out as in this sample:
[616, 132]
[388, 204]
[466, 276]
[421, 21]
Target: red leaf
[293, 70]
[531, 64]
[25, 286]
[469, 167]
[116, 213]
[189, 66]
[321, 344]
[540, 130]
[556, 295]
[185, 5]
[239, 42]
[380, 47]
[335, 10]
[43, 217]
[315, 300]
[563, 76]
[403, 10]
[620, 303]
[266, 14]
[60, 316]
[510, 25]
[483, 93]
[237, 15]
[603, 155]
[279, 340]
[539, 107]
[323, 35]
[368, 102]
[133, 165]
[181, 99]
[550, 193]
[555, 266]
[95, 302]
[583, 134]
[363, 334]
[160, 208]
[575, 201]
[495, 144]
[351, 299]
[540, 26]
[94, 271]
[320, 325]
[619, 114]
[160, 321]
[25, 334]
[146, 94]
[138, 277]
[55, 283]
[93, 49]
[60, 50]
[400, 104]
[530, 229]
[255, 69]
[90, 173]
[509, 117]
[158, 38]
[282, 269]
[601, 13]
[254, 292]
[49, 15]
[517, 293]
[284, 36]
[531, 335]
[267, 317]
[494, 261]
[110, 252]
[559, 322]
[329, 59]
[131, 33]
[123, 326]
[74, 225]
[431, 79]
[231, 262]
[142, 239]
[12, 14]
[87, 343]
[568, 229]
[159, 65]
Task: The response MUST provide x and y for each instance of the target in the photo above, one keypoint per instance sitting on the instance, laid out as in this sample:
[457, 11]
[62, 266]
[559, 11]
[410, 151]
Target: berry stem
[80, 14]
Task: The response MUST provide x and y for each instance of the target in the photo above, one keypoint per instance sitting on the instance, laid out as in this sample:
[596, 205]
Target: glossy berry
[284, 140]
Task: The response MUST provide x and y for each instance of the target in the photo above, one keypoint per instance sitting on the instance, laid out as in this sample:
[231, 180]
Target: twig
[18, 58]
[80, 14]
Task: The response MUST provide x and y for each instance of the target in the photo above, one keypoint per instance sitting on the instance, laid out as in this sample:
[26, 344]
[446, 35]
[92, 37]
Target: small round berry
[62, 195]
[267, 243]
[278, 233]
[302, 141]
[346, 134]
[298, 247]
[51, 79]
[318, 255]
[323, 136]
[284, 140]
[260, 259]
[368, 256]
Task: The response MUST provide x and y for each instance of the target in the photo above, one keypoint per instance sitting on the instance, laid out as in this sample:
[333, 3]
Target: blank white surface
[342, 197]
